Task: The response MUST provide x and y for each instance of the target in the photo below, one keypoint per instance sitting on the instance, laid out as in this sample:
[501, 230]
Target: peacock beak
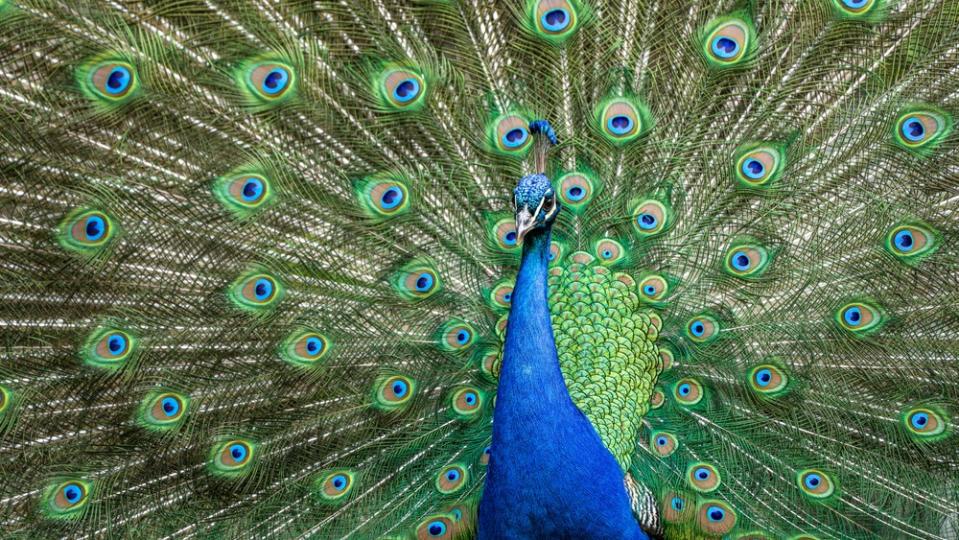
[525, 221]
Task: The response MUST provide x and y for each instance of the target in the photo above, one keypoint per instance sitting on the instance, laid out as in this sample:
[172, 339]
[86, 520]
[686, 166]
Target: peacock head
[536, 205]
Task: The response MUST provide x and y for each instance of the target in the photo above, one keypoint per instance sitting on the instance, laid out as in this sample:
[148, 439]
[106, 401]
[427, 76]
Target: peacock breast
[607, 348]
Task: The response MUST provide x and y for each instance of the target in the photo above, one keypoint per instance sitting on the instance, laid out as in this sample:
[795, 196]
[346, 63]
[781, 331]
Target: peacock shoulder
[607, 347]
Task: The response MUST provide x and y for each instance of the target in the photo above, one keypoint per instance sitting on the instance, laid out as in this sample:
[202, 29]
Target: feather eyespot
[510, 135]
[66, 499]
[653, 288]
[304, 349]
[456, 336]
[488, 362]
[403, 89]
[110, 81]
[664, 444]
[622, 120]
[657, 398]
[501, 295]
[232, 457]
[575, 190]
[162, 411]
[451, 479]
[504, 235]
[382, 199]
[922, 129]
[703, 477]
[109, 348]
[816, 483]
[650, 217]
[86, 231]
[609, 252]
[768, 380]
[925, 423]
[702, 329]
[758, 165]
[484, 457]
[270, 81]
[417, 280]
[715, 517]
[677, 507]
[243, 193]
[666, 358]
[688, 392]
[855, 8]
[555, 20]
[467, 401]
[436, 527]
[859, 318]
[256, 292]
[334, 486]
[728, 42]
[393, 393]
[746, 260]
[911, 242]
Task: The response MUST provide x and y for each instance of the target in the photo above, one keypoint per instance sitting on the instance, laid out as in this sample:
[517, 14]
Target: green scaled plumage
[160, 158]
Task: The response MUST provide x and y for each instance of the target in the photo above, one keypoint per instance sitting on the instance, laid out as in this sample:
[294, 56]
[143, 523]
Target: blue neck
[550, 475]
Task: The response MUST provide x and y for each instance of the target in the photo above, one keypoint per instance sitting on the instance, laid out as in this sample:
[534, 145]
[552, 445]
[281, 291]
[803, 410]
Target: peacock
[445, 269]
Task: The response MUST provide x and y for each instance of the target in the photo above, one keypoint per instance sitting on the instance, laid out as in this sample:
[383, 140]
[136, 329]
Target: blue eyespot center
[391, 198]
[462, 336]
[424, 282]
[725, 47]
[72, 493]
[400, 388]
[919, 420]
[339, 482]
[263, 289]
[647, 221]
[118, 80]
[515, 137]
[649, 290]
[170, 406]
[470, 398]
[510, 238]
[812, 481]
[508, 297]
[715, 513]
[406, 90]
[238, 452]
[855, 4]
[95, 228]
[314, 345]
[677, 504]
[852, 316]
[913, 129]
[763, 376]
[702, 473]
[684, 389]
[453, 475]
[575, 193]
[904, 241]
[620, 124]
[252, 189]
[698, 329]
[753, 168]
[117, 343]
[661, 441]
[275, 81]
[555, 20]
[607, 253]
[741, 261]
[436, 528]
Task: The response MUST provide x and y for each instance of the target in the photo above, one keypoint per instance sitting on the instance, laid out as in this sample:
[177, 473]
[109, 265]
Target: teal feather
[137, 350]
